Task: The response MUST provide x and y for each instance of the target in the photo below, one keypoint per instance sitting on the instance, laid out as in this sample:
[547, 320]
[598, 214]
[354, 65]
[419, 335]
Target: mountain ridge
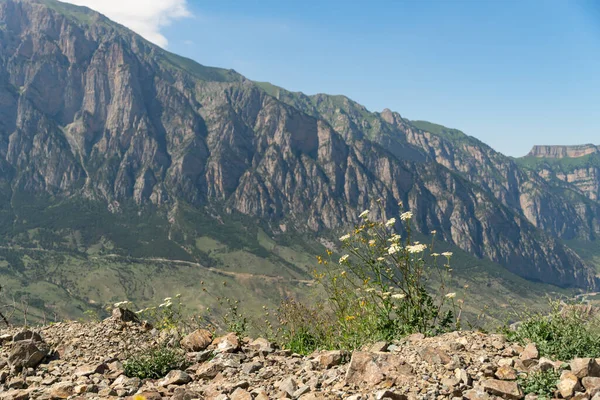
[93, 112]
[563, 151]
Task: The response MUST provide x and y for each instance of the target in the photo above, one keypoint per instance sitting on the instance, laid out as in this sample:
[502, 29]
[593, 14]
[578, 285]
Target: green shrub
[303, 329]
[235, 321]
[380, 289]
[564, 334]
[542, 383]
[155, 363]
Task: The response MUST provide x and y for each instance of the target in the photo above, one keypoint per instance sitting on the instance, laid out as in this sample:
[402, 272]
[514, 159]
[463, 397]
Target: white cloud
[145, 17]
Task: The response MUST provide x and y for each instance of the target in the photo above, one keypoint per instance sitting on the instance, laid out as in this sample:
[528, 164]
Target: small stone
[288, 385]
[568, 384]
[300, 391]
[530, 352]
[450, 382]
[454, 363]
[463, 376]
[506, 373]
[580, 396]
[240, 394]
[434, 355]
[379, 346]
[124, 315]
[209, 370]
[106, 392]
[581, 367]
[80, 389]
[16, 382]
[415, 337]
[20, 394]
[62, 390]
[252, 367]
[370, 369]
[591, 383]
[488, 370]
[151, 395]
[175, 377]
[315, 396]
[181, 394]
[388, 394]
[262, 345]
[476, 394]
[545, 364]
[331, 358]
[506, 361]
[87, 370]
[5, 338]
[227, 344]
[196, 341]
[505, 389]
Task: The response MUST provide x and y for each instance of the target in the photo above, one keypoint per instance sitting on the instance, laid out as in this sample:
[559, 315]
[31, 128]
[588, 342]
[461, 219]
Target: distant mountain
[109, 144]
[576, 166]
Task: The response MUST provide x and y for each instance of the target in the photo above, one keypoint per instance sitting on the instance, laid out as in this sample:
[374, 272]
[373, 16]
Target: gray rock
[124, 315]
[27, 354]
[175, 377]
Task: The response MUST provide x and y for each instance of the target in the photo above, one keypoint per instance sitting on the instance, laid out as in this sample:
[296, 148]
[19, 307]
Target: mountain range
[113, 147]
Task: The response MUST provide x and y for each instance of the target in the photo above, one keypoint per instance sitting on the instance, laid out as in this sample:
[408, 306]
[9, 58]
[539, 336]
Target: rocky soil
[73, 360]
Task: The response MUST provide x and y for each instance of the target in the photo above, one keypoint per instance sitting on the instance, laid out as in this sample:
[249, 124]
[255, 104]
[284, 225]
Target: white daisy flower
[406, 216]
[345, 237]
[417, 248]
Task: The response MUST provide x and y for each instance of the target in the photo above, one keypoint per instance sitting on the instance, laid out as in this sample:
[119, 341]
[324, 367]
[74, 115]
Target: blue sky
[511, 73]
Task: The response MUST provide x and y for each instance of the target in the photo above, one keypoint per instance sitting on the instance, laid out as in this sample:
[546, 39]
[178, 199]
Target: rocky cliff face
[576, 167]
[563, 151]
[89, 109]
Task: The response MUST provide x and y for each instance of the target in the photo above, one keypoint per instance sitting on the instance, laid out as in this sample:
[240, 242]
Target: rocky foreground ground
[73, 360]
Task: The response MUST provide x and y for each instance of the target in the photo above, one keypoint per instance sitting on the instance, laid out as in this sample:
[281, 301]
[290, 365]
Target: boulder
[27, 335]
[27, 354]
